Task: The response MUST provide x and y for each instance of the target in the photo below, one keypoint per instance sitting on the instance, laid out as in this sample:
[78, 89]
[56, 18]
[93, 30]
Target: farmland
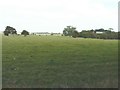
[59, 62]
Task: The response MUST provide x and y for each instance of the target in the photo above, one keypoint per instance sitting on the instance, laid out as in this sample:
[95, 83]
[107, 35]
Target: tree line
[10, 30]
[97, 33]
[72, 32]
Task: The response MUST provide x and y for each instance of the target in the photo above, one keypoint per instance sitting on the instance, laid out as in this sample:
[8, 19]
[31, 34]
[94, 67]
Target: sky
[55, 15]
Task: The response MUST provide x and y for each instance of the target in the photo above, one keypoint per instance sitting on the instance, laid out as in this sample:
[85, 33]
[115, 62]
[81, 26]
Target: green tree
[25, 33]
[118, 34]
[75, 34]
[110, 29]
[6, 33]
[69, 31]
[9, 30]
[88, 34]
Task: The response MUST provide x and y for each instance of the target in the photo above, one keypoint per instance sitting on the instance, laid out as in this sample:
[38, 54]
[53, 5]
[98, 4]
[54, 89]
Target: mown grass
[59, 62]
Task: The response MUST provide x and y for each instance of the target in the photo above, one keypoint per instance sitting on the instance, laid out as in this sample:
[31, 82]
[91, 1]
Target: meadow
[59, 62]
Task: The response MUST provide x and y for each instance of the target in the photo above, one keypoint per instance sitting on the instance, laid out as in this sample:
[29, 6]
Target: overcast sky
[55, 15]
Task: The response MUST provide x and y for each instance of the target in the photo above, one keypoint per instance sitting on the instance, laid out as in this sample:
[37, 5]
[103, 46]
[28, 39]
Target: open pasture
[59, 62]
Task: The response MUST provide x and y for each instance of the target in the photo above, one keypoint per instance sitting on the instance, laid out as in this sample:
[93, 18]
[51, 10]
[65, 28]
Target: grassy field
[59, 62]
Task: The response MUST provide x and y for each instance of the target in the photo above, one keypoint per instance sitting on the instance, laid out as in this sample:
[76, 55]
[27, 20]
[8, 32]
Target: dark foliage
[25, 33]
[70, 31]
[97, 33]
[9, 30]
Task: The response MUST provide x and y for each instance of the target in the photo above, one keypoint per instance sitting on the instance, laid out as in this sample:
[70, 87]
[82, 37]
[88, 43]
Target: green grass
[59, 62]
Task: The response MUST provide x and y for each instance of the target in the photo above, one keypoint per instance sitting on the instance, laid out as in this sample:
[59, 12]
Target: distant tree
[9, 30]
[25, 33]
[51, 33]
[87, 34]
[6, 33]
[119, 35]
[110, 29]
[75, 34]
[99, 30]
[97, 33]
[69, 31]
